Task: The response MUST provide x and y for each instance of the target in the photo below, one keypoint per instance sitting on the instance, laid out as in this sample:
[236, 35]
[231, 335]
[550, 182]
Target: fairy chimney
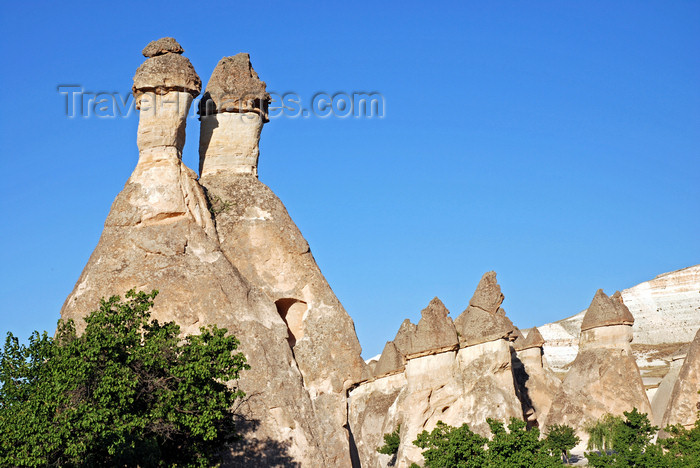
[607, 323]
[484, 320]
[604, 377]
[232, 113]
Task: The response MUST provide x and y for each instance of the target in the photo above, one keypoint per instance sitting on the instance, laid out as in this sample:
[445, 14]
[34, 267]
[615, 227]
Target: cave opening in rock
[292, 312]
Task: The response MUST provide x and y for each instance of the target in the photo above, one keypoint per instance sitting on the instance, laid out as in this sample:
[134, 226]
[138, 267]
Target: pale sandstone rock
[230, 141]
[684, 402]
[372, 407]
[537, 384]
[159, 235]
[663, 394]
[467, 385]
[603, 378]
[257, 235]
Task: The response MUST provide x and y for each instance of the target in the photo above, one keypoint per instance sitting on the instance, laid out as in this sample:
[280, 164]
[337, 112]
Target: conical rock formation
[684, 403]
[604, 377]
[258, 236]
[440, 381]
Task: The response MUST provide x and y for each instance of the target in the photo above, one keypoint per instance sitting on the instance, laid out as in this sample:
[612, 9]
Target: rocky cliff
[160, 234]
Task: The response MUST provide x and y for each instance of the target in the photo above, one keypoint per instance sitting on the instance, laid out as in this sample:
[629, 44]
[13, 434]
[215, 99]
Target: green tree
[631, 445]
[518, 447]
[459, 447]
[453, 447]
[682, 445]
[561, 438]
[600, 433]
[391, 442]
[128, 391]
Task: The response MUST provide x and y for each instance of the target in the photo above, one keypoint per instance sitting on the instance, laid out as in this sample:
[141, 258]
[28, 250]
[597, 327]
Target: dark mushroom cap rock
[517, 336]
[488, 295]
[475, 326]
[404, 337]
[163, 73]
[534, 340]
[605, 311]
[390, 361]
[235, 87]
[435, 330]
[162, 46]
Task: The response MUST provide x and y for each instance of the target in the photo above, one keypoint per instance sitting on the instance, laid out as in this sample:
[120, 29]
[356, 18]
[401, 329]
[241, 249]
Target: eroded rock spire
[233, 111]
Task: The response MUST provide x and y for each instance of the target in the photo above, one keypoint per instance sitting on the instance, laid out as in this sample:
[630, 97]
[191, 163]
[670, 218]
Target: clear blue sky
[557, 143]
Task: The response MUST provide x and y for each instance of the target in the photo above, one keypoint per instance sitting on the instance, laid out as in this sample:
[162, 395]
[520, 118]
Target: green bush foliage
[128, 391]
[391, 442]
[600, 433]
[561, 438]
[459, 447]
[630, 445]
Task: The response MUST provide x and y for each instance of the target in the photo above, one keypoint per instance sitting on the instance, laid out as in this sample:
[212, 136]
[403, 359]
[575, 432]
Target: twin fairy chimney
[222, 249]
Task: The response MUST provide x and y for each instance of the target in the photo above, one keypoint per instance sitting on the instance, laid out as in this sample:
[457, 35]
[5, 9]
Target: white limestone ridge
[667, 315]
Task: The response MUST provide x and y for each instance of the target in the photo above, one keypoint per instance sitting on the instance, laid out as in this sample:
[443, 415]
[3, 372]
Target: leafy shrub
[561, 438]
[128, 391]
[391, 442]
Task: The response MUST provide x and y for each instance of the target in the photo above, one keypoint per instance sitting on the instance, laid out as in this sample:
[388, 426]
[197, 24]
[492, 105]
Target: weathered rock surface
[390, 362]
[162, 46]
[534, 339]
[667, 314]
[488, 295]
[484, 320]
[475, 326]
[160, 235]
[684, 403]
[435, 330]
[165, 70]
[439, 382]
[232, 112]
[662, 396]
[602, 312]
[258, 236]
[372, 407]
[537, 384]
[235, 87]
[604, 377]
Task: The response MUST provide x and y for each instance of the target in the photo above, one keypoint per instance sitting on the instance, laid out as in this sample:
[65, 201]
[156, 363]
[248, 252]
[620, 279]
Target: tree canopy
[128, 391]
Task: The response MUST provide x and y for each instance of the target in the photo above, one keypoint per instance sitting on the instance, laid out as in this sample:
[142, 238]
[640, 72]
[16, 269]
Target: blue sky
[557, 143]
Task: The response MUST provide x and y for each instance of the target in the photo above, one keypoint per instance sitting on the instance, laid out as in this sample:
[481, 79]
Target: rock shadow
[520, 378]
[249, 451]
